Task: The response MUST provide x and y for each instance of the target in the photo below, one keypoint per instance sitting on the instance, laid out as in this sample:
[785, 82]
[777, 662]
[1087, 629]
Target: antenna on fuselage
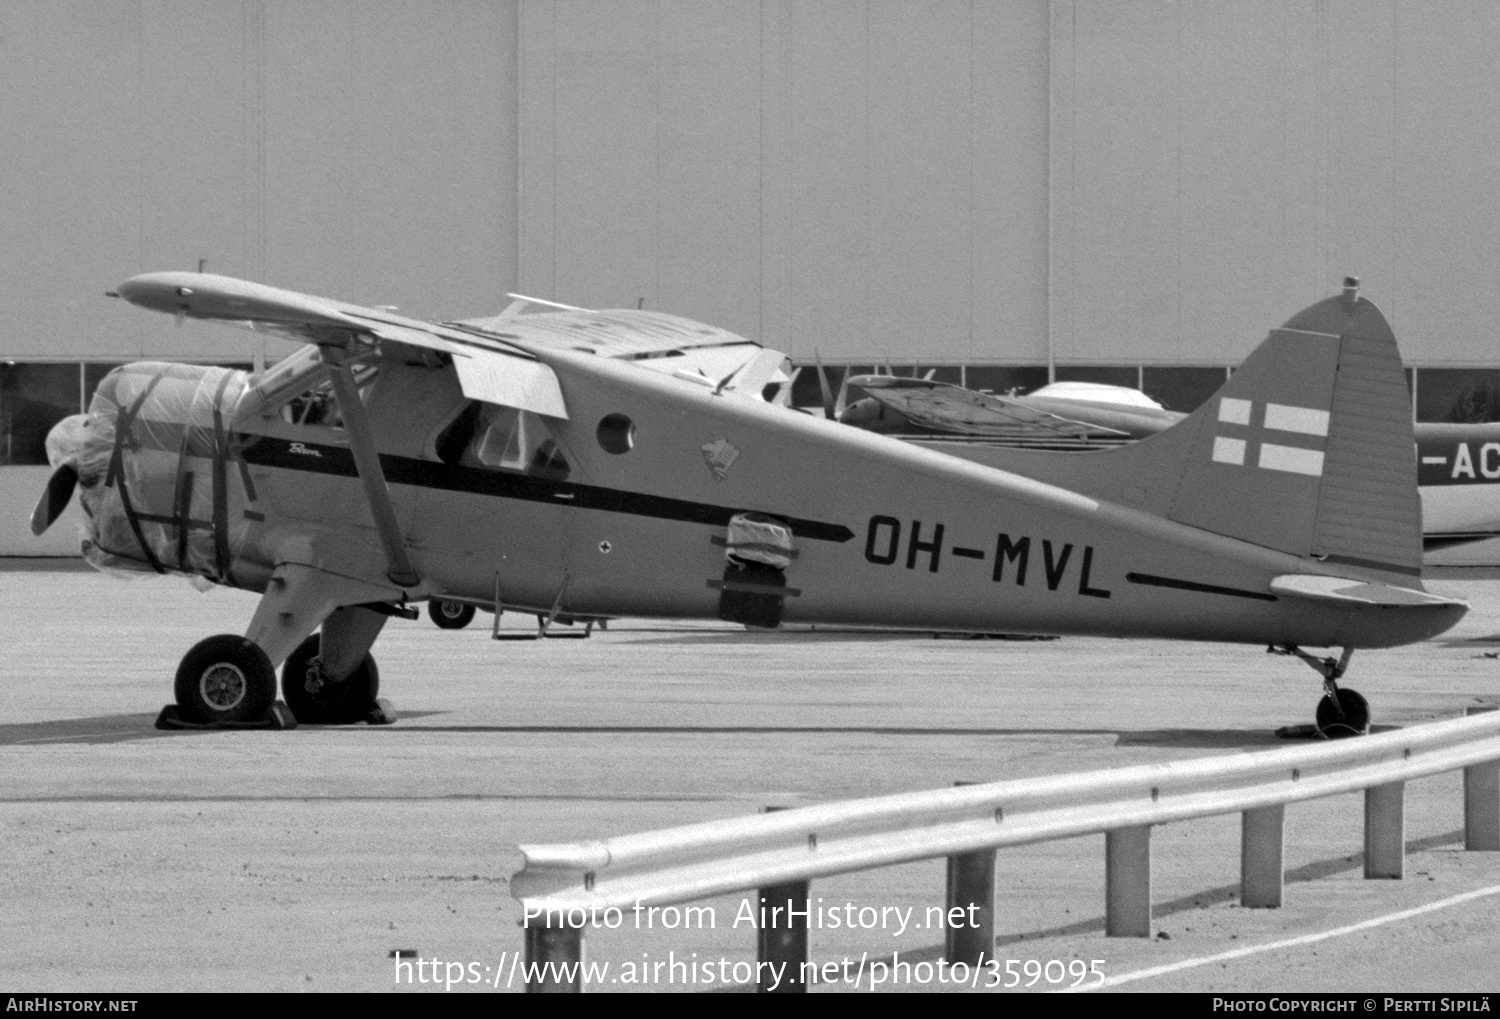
[201, 263]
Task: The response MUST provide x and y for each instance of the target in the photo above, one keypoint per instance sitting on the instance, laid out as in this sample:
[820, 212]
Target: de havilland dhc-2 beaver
[598, 464]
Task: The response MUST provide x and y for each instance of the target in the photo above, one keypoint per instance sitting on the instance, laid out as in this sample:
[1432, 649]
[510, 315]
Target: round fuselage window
[616, 433]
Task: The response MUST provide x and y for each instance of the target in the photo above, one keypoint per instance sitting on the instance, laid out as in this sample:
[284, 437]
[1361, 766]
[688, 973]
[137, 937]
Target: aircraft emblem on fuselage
[297, 447]
[719, 456]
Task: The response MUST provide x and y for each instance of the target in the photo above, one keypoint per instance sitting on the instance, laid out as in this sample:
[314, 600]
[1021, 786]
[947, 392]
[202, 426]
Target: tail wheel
[1355, 720]
[450, 615]
[317, 700]
[225, 679]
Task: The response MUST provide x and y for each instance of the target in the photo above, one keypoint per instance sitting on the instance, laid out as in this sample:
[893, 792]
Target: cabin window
[616, 434]
[502, 438]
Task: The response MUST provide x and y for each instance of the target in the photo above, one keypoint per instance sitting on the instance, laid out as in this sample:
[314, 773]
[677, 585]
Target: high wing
[494, 356]
[488, 368]
[665, 343]
[948, 408]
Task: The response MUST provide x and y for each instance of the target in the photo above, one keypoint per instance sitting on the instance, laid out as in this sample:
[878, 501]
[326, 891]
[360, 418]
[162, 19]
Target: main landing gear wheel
[450, 615]
[1342, 712]
[317, 700]
[1350, 717]
[225, 679]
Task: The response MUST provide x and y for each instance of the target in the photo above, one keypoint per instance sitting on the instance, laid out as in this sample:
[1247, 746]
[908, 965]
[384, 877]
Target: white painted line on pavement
[1306, 939]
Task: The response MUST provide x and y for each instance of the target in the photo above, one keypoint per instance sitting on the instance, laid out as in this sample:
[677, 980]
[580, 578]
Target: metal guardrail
[562, 886]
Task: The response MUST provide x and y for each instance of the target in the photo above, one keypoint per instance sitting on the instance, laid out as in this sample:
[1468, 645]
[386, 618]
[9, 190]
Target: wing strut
[367, 461]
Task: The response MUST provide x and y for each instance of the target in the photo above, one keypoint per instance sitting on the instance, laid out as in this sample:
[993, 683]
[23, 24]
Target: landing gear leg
[1342, 711]
[331, 678]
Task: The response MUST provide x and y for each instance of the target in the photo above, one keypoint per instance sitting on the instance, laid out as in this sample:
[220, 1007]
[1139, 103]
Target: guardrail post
[1385, 831]
[971, 892]
[781, 938]
[1127, 882]
[781, 941]
[551, 952]
[1482, 800]
[1482, 806]
[1262, 843]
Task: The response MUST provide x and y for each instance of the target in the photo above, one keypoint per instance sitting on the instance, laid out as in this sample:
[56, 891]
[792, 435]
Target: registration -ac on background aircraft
[542, 457]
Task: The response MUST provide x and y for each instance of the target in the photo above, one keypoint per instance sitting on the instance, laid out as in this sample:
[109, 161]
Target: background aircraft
[561, 462]
[1063, 415]
[1458, 465]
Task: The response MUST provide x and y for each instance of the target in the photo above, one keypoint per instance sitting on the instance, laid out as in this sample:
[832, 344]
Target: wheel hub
[316, 678]
[223, 686]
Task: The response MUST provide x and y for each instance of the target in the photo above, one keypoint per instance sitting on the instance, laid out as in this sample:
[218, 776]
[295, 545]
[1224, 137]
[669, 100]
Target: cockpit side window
[502, 443]
[502, 438]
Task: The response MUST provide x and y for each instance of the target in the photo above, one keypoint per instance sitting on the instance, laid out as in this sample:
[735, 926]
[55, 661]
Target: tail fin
[1307, 449]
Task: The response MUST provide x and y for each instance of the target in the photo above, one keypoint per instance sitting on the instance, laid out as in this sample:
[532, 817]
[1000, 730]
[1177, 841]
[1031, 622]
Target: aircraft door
[502, 500]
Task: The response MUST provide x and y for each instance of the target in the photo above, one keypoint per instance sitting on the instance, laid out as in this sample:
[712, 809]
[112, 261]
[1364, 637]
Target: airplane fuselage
[885, 533]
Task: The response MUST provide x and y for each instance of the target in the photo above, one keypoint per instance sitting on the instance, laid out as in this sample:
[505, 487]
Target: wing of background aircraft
[1063, 415]
[941, 407]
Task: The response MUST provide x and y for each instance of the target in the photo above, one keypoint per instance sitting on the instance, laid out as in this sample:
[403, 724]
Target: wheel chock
[1307, 731]
[277, 716]
[382, 712]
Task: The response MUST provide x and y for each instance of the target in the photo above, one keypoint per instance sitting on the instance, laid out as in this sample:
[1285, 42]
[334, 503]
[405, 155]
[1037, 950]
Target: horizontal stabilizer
[1356, 592]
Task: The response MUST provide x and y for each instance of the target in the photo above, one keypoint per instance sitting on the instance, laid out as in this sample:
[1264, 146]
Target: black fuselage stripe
[401, 470]
[1192, 585]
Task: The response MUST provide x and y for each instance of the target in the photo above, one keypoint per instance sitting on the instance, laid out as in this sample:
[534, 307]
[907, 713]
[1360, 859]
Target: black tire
[1355, 720]
[331, 703]
[225, 679]
[450, 615]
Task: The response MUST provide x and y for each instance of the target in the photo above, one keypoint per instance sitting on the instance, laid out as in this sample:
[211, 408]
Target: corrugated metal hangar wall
[1096, 182]
[1146, 181]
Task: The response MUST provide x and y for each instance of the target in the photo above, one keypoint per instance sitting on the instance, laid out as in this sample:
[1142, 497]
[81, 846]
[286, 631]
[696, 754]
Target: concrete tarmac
[146, 860]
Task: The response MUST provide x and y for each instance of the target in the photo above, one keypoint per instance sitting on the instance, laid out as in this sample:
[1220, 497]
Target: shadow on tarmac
[125, 728]
[121, 729]
[1222, 739]
[1214, 739]
[792, 730]
[102, 729]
